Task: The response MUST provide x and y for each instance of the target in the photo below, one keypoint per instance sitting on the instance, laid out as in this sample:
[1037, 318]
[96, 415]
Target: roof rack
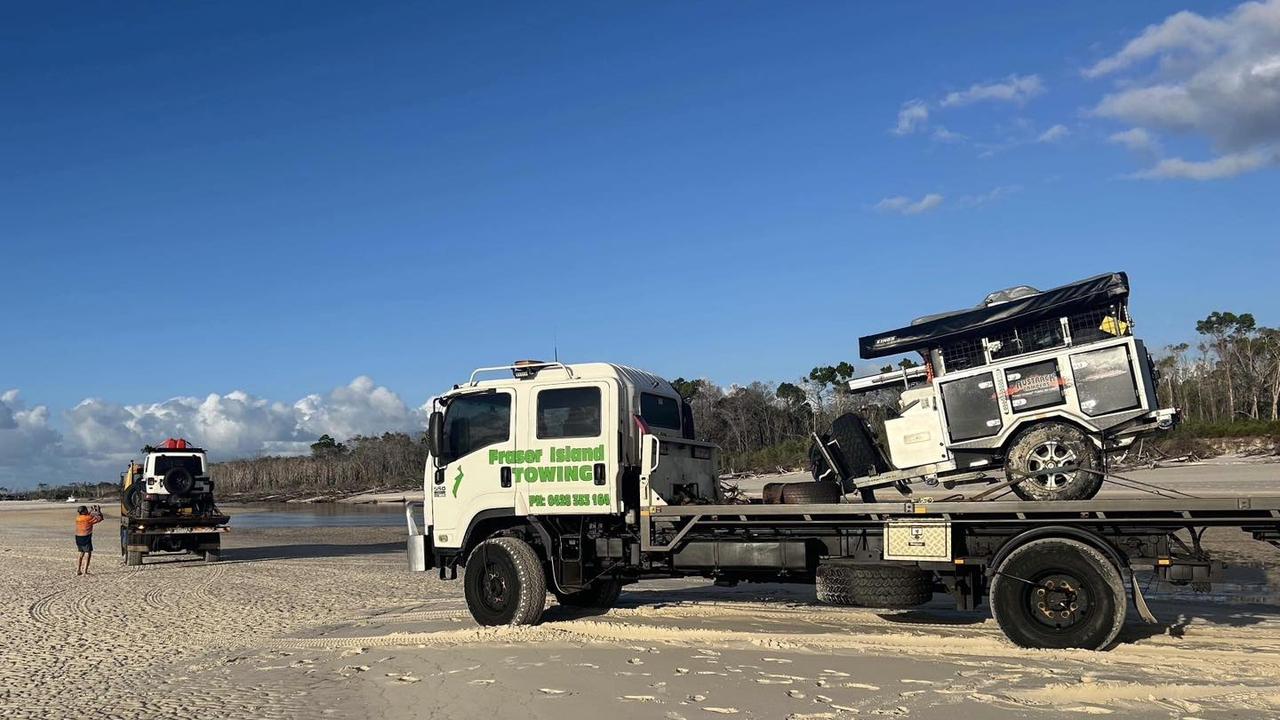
[519, 366]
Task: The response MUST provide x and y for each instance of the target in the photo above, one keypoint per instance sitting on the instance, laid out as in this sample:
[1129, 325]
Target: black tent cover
[1098, 290]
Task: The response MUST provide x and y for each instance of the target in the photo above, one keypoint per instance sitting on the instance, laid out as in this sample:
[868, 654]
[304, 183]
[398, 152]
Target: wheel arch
[1023, 425]
[1059, 532]
[488, 523]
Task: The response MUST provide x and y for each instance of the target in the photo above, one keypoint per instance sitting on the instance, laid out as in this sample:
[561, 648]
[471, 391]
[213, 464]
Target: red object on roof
[175, 444]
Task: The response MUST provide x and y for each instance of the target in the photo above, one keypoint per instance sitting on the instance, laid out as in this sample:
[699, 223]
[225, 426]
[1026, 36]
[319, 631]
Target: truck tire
[1045, 446]
[873, 586]
[504, 583]
[133, 558]
[1058, 593]
[212, 556]
[132, 500]
[810, 493]
[603, 594]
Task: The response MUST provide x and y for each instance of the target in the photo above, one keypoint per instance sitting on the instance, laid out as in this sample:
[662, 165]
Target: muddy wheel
[602, 594]
[1041, 449]
[1058, 593]
[504, 584]
[873, 586]
[133, 558]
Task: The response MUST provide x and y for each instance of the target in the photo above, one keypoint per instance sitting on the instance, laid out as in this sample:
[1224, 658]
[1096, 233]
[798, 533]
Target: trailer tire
[772, 493]
[133, 558]
[873, 586]
[602, 594]
[1031, 578]
[1046, 445]
[504, 583]
[810, 493]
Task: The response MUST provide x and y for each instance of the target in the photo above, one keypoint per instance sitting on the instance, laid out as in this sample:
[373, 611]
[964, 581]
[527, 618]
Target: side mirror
[435, 435]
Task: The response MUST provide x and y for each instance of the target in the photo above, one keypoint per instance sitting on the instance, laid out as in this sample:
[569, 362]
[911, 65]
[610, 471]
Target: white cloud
[942, 134]
[1015, 89]
[25, 436]
[1136, 139]
[913, 116]
[1223, 166]
[992, 195]
[905, 206]
[1211, 77]
[1053, 134]
[101, 435]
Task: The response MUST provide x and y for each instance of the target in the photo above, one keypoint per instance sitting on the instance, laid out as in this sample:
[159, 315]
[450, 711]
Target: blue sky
[218, 197]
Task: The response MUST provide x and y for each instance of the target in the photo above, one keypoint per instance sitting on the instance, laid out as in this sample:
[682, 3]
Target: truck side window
[476, 421]
[660, 411]
[569, 413]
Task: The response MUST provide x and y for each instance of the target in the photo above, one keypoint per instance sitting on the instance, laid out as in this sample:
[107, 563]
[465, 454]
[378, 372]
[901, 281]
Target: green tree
[326, 446]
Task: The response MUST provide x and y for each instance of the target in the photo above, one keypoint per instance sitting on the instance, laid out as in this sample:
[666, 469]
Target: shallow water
[279, 515]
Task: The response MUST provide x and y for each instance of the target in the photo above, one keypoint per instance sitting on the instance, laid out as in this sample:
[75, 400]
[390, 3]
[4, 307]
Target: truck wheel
[504, 584]
[133, 558]
[1041, 449]
[212, 556]
[873, 586]
[810, 493]
[602, 594]
[1058, 593]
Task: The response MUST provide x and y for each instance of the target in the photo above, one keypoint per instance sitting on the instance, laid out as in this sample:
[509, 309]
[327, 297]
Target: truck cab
[556, 442]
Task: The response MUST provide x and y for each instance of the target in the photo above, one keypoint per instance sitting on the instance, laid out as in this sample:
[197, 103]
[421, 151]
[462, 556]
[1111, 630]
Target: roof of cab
[555, 372]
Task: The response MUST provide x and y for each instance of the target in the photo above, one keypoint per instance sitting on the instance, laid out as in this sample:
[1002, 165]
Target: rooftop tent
[935, 330]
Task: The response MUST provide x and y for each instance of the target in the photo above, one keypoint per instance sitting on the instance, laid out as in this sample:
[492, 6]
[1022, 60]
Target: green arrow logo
[456, 482]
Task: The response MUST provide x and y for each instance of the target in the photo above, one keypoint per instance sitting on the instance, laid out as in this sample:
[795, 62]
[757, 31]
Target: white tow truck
[579, 479]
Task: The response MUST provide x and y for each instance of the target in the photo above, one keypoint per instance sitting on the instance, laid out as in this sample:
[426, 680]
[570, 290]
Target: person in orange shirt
[85, 520]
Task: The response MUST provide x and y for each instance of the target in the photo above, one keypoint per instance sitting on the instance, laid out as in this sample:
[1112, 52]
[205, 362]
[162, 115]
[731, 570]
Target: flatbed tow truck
[166, 504]
[579, 479]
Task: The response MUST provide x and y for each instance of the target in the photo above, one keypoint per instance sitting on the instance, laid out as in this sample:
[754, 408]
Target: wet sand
[324, 622]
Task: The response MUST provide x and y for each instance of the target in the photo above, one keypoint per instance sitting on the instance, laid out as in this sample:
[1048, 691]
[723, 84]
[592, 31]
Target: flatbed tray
[177, 521]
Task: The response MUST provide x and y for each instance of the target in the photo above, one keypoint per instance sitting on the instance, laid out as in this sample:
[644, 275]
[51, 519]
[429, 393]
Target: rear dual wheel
[1058, 593]
[601, 594]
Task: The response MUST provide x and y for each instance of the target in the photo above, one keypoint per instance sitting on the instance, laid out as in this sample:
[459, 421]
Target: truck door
[571, 463]
[472, 477]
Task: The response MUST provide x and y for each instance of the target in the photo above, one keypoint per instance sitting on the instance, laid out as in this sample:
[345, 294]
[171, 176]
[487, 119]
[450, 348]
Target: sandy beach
[316, 622]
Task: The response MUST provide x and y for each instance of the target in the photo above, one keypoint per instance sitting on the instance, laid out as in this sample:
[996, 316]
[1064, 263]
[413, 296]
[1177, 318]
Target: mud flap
[1140, 603]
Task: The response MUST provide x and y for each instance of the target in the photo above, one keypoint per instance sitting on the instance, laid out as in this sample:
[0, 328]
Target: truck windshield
[475, 421]
[191, 463]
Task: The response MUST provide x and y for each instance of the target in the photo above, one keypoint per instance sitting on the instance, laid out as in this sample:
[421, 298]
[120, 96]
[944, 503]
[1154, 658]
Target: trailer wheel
[873, 586]
[504, 584]
[602, 594]
[810, 493]
[1043, 448]
[133, 558]
[1058, 593]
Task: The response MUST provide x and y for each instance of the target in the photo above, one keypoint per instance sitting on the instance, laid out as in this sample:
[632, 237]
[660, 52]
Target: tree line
[1231, 374]
[1227, 384]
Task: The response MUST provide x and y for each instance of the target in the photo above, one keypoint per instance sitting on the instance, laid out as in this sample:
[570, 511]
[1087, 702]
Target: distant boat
[71, 498]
